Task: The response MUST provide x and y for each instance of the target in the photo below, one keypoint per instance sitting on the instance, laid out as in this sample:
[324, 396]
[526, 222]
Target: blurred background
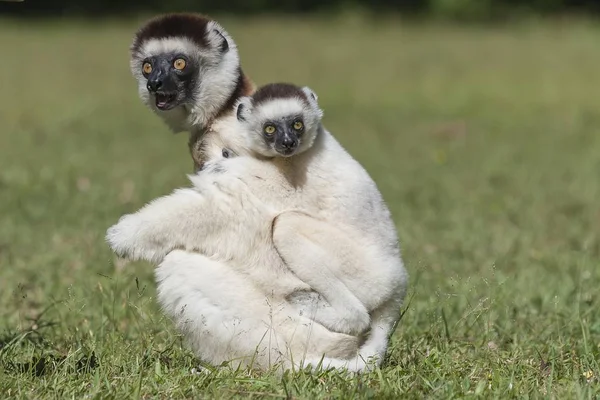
[478, 119]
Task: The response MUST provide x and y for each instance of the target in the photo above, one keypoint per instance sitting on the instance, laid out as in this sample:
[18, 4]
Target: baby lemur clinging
[277, 188]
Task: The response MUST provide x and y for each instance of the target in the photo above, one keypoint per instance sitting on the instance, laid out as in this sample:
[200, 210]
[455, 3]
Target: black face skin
[170, 86]
[286, 139]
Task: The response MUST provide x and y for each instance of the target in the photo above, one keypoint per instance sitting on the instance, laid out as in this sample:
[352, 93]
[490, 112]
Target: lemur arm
[161, 226]
[200, 219]
[319, 254]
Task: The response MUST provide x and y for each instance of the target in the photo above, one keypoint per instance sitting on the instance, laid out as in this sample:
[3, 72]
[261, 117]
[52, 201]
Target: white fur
[279, 108]
[243, 327]
[228, 215]
[209, 296]
[216, 77]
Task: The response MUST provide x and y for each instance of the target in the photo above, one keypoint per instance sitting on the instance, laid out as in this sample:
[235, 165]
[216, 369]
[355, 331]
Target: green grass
[484, 141]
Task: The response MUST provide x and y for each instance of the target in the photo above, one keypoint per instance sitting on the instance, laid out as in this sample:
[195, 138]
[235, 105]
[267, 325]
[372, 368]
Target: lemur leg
[227, 319]
[319, 255]
[382, 321]
[203, 297]
[372, 352]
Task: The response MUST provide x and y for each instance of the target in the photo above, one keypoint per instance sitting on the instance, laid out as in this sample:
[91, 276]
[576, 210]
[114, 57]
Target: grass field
[484, 141]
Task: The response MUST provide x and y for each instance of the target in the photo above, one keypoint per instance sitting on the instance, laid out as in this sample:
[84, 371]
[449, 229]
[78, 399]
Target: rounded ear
[312, 96]
[312, 99]
[243, 108]
[217, 37]
[224, 45]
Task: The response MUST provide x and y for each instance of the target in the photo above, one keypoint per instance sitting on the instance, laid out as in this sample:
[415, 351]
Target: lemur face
[185, 59]
[284, 134]
[280, 120]
[171, 79]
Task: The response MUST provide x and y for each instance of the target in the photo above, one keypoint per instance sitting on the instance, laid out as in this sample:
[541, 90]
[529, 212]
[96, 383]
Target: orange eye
[147, 68]
[179, 64]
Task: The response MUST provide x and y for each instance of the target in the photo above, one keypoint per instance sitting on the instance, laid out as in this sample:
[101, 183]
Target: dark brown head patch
[274, 91]
[190, 26]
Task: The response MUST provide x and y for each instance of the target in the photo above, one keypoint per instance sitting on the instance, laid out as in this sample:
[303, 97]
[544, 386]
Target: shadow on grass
[47, 361]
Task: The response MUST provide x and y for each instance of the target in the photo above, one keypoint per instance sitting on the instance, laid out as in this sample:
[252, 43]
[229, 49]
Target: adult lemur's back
[349, 196]
[328, 184]
[308, 170]
[347, 192]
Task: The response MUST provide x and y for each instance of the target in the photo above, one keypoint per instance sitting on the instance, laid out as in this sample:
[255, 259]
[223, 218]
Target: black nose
[289, 143]
[154, 84]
